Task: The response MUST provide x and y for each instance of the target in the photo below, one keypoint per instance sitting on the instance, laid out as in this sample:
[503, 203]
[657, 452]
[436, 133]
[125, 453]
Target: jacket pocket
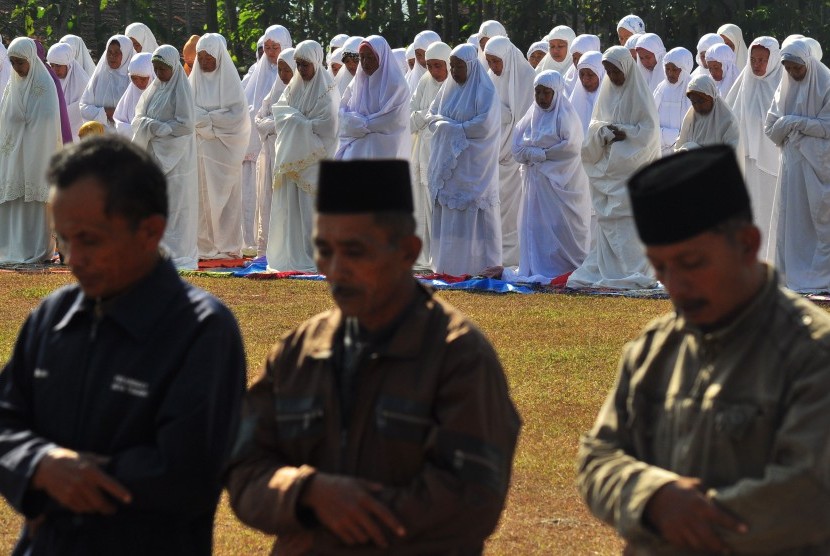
[400, 419]
[299, 417]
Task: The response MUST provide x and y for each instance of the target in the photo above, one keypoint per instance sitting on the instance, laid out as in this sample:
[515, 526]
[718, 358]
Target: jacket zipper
[97, 314]
[412, 419]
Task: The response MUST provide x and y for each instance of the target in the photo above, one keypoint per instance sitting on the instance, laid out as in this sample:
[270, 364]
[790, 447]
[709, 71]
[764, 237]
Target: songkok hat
[686, 194]
[357, 186]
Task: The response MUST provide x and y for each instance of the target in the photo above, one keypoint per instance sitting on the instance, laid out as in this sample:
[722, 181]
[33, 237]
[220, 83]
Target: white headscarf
[221, 89]
[544, 127]
[401, 60]
[723, 54]
[581, 100]
[306, 122]
[81, 52]
[107, 85]
[30, 128]
[463, 170]
[631, 44]
[654, 44]
[163, 103]
[76, 78]
[539, 46]
[491, 28]
[815, 48]
[734, 33]
[261, 82]
[750, 99]
[515, 84]
[422, 42]
[338, 40]
[630, 105]
[334, 57]
[142, 66]
[706, 41]
[670, 98]
[265, 73]
[5, 67]
[632, 23]
[351, 46]
[425, 93]
[580, 45]
[562, 33]
[806, 98]
[384, 90]
[143, 35]
[717, 127]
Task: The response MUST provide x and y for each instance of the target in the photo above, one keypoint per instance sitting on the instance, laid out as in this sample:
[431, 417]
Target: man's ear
[151, 230]
[750, 241]
[411, 247]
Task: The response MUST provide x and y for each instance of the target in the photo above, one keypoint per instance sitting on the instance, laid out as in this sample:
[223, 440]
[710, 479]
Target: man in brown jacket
[384, 424]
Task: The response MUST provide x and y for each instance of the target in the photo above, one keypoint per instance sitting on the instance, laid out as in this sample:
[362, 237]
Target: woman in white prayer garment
[374, 111]
[222, 134]
[650, 53]
[420, 45]
[733, 37]
[463, 169]
[580, 45]
[438, 66]
[536, 52]
[628, 26]
[351, 59]
[141, 75]
[164, 124]
[286, 68]
[142, 37]
[559, 51]
[584, 96]
[706, 41]
[306, 124]
[108, 83]
[30, 133]
[631, 45]
[670, 96]
[556, 204]
[750, 99]
[710, 121]
[81, 52]
[275, 40]
[624, 135]
[513, 79]
[799, 123]
[73, 80]
[721, 63]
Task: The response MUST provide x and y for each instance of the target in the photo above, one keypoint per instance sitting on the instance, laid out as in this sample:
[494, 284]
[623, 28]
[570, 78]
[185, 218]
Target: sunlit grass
[560, 355]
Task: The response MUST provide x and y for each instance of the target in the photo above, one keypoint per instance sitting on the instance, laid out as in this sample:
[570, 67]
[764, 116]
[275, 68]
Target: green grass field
[560, 354]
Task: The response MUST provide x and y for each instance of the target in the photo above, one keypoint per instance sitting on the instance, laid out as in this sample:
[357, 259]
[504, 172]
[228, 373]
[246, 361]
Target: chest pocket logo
[131, 386]
[401, 419]
[299, 417]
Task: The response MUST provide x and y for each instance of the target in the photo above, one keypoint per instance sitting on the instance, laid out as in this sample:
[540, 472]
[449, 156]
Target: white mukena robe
[555, 211]
[222, 135]
[464, 173]
[799, 123]
[617, 258]
[305, 120]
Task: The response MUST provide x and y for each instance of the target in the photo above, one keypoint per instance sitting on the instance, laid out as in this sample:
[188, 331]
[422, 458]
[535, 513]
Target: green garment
[746, 409]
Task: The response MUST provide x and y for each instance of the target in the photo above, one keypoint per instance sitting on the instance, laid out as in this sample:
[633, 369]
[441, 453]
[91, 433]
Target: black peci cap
[686, 194]
[356, 186]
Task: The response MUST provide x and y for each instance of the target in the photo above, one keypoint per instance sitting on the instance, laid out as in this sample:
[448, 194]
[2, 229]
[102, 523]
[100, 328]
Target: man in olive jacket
[384, 424]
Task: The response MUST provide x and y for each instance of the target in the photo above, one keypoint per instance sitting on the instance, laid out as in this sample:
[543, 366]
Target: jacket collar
[138, 309]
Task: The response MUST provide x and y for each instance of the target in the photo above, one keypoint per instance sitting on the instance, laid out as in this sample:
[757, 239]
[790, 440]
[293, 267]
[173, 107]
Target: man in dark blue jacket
[117, 404]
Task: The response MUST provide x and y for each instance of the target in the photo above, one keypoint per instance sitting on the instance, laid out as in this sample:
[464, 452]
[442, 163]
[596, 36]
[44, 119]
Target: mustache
[690, 305]
[341, 290]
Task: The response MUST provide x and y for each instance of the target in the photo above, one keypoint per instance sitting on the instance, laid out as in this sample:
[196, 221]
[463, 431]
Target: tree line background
[242, 22]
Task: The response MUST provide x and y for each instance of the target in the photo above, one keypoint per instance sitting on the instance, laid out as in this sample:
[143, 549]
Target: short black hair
[135, 186]
[397, 224]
